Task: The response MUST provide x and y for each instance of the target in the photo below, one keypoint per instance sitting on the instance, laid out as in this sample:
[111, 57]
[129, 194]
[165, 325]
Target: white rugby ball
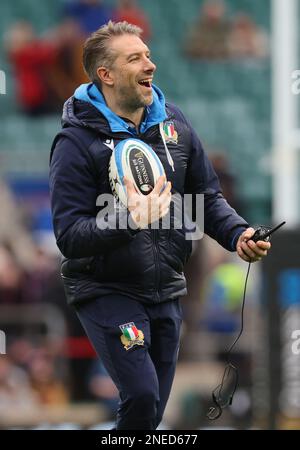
[139, 163]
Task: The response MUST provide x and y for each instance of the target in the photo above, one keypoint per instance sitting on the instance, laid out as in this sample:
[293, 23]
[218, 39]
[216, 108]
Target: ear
[105, 76]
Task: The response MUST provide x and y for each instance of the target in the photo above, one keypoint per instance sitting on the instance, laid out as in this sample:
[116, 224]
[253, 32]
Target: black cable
[261, 233]
[242, 314]
[216, 411]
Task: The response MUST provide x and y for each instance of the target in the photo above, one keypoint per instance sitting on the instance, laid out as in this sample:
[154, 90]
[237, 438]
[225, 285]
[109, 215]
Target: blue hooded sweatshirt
[155, 113]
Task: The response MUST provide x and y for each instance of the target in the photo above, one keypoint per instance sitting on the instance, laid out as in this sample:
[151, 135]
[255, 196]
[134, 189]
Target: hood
[88, 108]
[155, 113]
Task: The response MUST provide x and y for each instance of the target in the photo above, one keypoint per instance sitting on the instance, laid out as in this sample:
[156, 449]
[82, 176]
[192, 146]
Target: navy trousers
[142, 367]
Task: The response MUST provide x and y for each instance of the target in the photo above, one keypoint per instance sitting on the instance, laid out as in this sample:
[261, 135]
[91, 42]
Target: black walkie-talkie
[263, 233]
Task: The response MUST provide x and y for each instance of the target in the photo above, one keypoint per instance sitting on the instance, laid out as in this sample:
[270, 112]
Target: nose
[150, 66]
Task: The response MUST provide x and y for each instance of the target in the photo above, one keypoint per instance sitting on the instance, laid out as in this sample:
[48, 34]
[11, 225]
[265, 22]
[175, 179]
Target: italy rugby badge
[170, 133]
[131, 335]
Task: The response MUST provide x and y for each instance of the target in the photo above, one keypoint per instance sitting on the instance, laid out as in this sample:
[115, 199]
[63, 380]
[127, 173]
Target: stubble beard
[132, 102]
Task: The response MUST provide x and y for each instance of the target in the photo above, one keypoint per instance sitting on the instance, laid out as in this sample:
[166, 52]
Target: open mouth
[146, 83]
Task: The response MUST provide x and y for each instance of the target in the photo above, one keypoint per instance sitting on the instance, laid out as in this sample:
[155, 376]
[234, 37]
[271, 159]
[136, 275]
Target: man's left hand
[249, 250]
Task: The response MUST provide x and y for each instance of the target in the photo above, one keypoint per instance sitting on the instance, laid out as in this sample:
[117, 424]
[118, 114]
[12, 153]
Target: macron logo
[109, 143]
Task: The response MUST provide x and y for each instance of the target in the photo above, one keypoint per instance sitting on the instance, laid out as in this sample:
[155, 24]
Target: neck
[134, 115]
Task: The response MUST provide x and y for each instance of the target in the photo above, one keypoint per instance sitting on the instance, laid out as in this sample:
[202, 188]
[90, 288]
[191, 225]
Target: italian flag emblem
[131, 335]
[131, 332]
[170, 133]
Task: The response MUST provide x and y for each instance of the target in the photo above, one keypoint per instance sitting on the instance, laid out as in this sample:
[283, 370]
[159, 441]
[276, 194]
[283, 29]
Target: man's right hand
[146, 209]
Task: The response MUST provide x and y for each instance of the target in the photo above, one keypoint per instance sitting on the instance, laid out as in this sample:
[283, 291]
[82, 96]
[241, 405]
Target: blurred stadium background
[228, 65]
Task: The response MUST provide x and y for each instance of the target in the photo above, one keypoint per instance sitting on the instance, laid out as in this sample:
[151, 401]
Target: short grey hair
[96, 49]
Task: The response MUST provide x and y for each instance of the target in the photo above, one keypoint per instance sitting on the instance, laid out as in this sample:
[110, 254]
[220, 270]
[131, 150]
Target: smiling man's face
[131, 73]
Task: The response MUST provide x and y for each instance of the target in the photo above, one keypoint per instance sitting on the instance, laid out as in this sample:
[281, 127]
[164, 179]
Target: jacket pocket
[72, 268]
[77, 275]
[70, 288]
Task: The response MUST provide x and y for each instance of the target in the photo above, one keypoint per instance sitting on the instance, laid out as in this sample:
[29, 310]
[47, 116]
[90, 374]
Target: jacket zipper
[155, 252]
[157, 265]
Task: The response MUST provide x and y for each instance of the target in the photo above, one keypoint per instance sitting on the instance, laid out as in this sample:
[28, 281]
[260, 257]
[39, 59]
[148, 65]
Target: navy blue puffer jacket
[146, 265]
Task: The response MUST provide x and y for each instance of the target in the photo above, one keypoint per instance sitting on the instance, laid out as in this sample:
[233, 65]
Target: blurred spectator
[20, 351]
[128, 11]
[27, 269]
[38, 281]
[223, 298]
[67, 72]
[215, 37]
[246, 39]
[15, 390]
[29, 273]
[89, 14]
[33, 61]
[31, 285]
[69, 38]
[47, 70]
[102, 387]
[11, 278]
[12, 230]
[208, 36]
[44, 382]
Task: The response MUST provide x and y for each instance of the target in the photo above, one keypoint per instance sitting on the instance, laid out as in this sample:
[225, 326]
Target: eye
[134, 58]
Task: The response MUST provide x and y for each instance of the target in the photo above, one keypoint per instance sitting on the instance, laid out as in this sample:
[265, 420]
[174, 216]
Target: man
[126, 283]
